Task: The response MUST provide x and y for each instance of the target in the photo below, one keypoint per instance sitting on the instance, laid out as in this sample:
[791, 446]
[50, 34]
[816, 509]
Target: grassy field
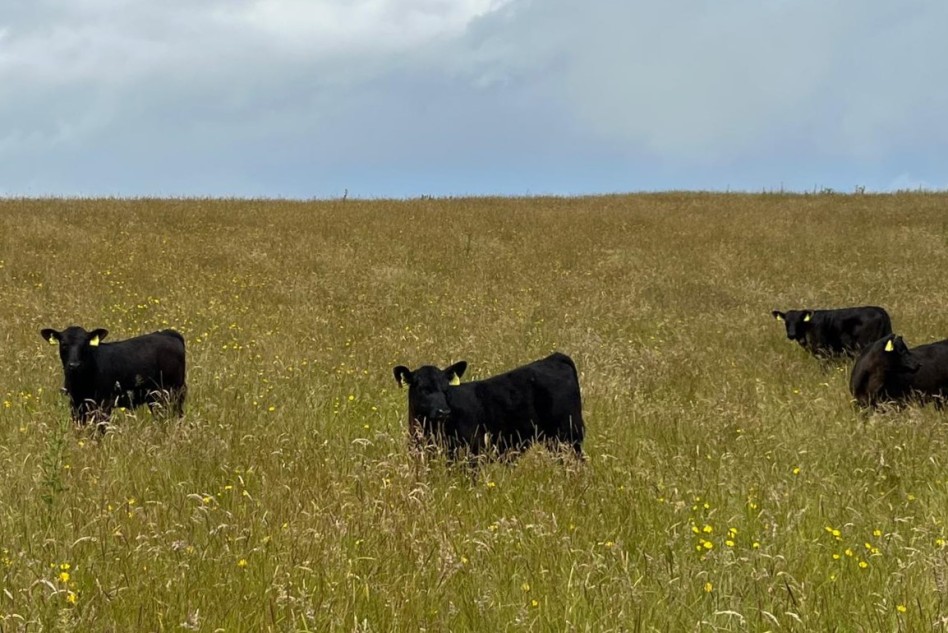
[730, 484]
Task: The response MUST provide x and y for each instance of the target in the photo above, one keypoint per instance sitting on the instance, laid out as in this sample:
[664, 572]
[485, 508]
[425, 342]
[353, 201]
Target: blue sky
[309, 98]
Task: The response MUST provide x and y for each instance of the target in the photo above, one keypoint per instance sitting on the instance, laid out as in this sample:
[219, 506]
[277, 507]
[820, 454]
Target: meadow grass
[730, 485]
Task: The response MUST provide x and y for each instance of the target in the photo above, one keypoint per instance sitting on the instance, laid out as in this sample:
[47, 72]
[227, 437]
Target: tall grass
[730, 485]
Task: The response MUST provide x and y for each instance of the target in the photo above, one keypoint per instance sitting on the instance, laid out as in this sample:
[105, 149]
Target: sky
[404, 98]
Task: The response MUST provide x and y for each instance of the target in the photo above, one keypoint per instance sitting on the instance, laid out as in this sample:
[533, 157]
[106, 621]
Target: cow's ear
[402, 373]
[96, 336]
[778, 315]
[807, 316]
[51, 335]
[454, 373]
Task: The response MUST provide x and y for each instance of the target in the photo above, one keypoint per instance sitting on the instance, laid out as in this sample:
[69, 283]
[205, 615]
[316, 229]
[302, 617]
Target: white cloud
[69, 71]
[110, 40]
[704, 82]
[679, 93]
[373, 26]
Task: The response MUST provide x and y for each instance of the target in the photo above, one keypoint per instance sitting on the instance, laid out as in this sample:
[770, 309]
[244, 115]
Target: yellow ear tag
[94, 342]
[52, 340]
[778, 317]
[806, 319]
[889, 347]
[455, 381]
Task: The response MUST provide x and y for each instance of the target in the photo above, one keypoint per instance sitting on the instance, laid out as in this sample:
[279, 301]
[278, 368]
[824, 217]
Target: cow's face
[427, 391]
[797, 323]
[76, 346]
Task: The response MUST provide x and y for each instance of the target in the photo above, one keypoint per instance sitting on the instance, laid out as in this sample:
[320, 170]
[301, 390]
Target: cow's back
[874, 380]
[151, 361]
[865, 326]
[847, 330]
[932, 376]
[538, 400]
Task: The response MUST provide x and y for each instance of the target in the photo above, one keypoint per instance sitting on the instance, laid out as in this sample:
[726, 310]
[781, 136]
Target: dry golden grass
[730, 484]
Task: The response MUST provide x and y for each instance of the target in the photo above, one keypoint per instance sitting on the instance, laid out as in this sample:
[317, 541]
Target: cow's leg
[170, 399]
[566, 449]
[85, 413]
[179, 396]
[99, 416]
[575, 431]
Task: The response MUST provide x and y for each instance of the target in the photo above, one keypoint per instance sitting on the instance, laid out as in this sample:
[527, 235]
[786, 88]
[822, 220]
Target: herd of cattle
[504, 414]
[885, 369]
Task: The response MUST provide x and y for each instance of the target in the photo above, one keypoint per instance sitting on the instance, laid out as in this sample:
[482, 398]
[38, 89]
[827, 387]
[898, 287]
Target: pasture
[730, 485]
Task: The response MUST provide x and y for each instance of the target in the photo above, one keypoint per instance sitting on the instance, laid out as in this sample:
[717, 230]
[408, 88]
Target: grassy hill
[730, 484]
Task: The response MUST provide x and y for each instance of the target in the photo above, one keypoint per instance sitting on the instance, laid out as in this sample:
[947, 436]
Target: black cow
[888, 371]
[538, 402]
[147, 369]
[836, 332]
